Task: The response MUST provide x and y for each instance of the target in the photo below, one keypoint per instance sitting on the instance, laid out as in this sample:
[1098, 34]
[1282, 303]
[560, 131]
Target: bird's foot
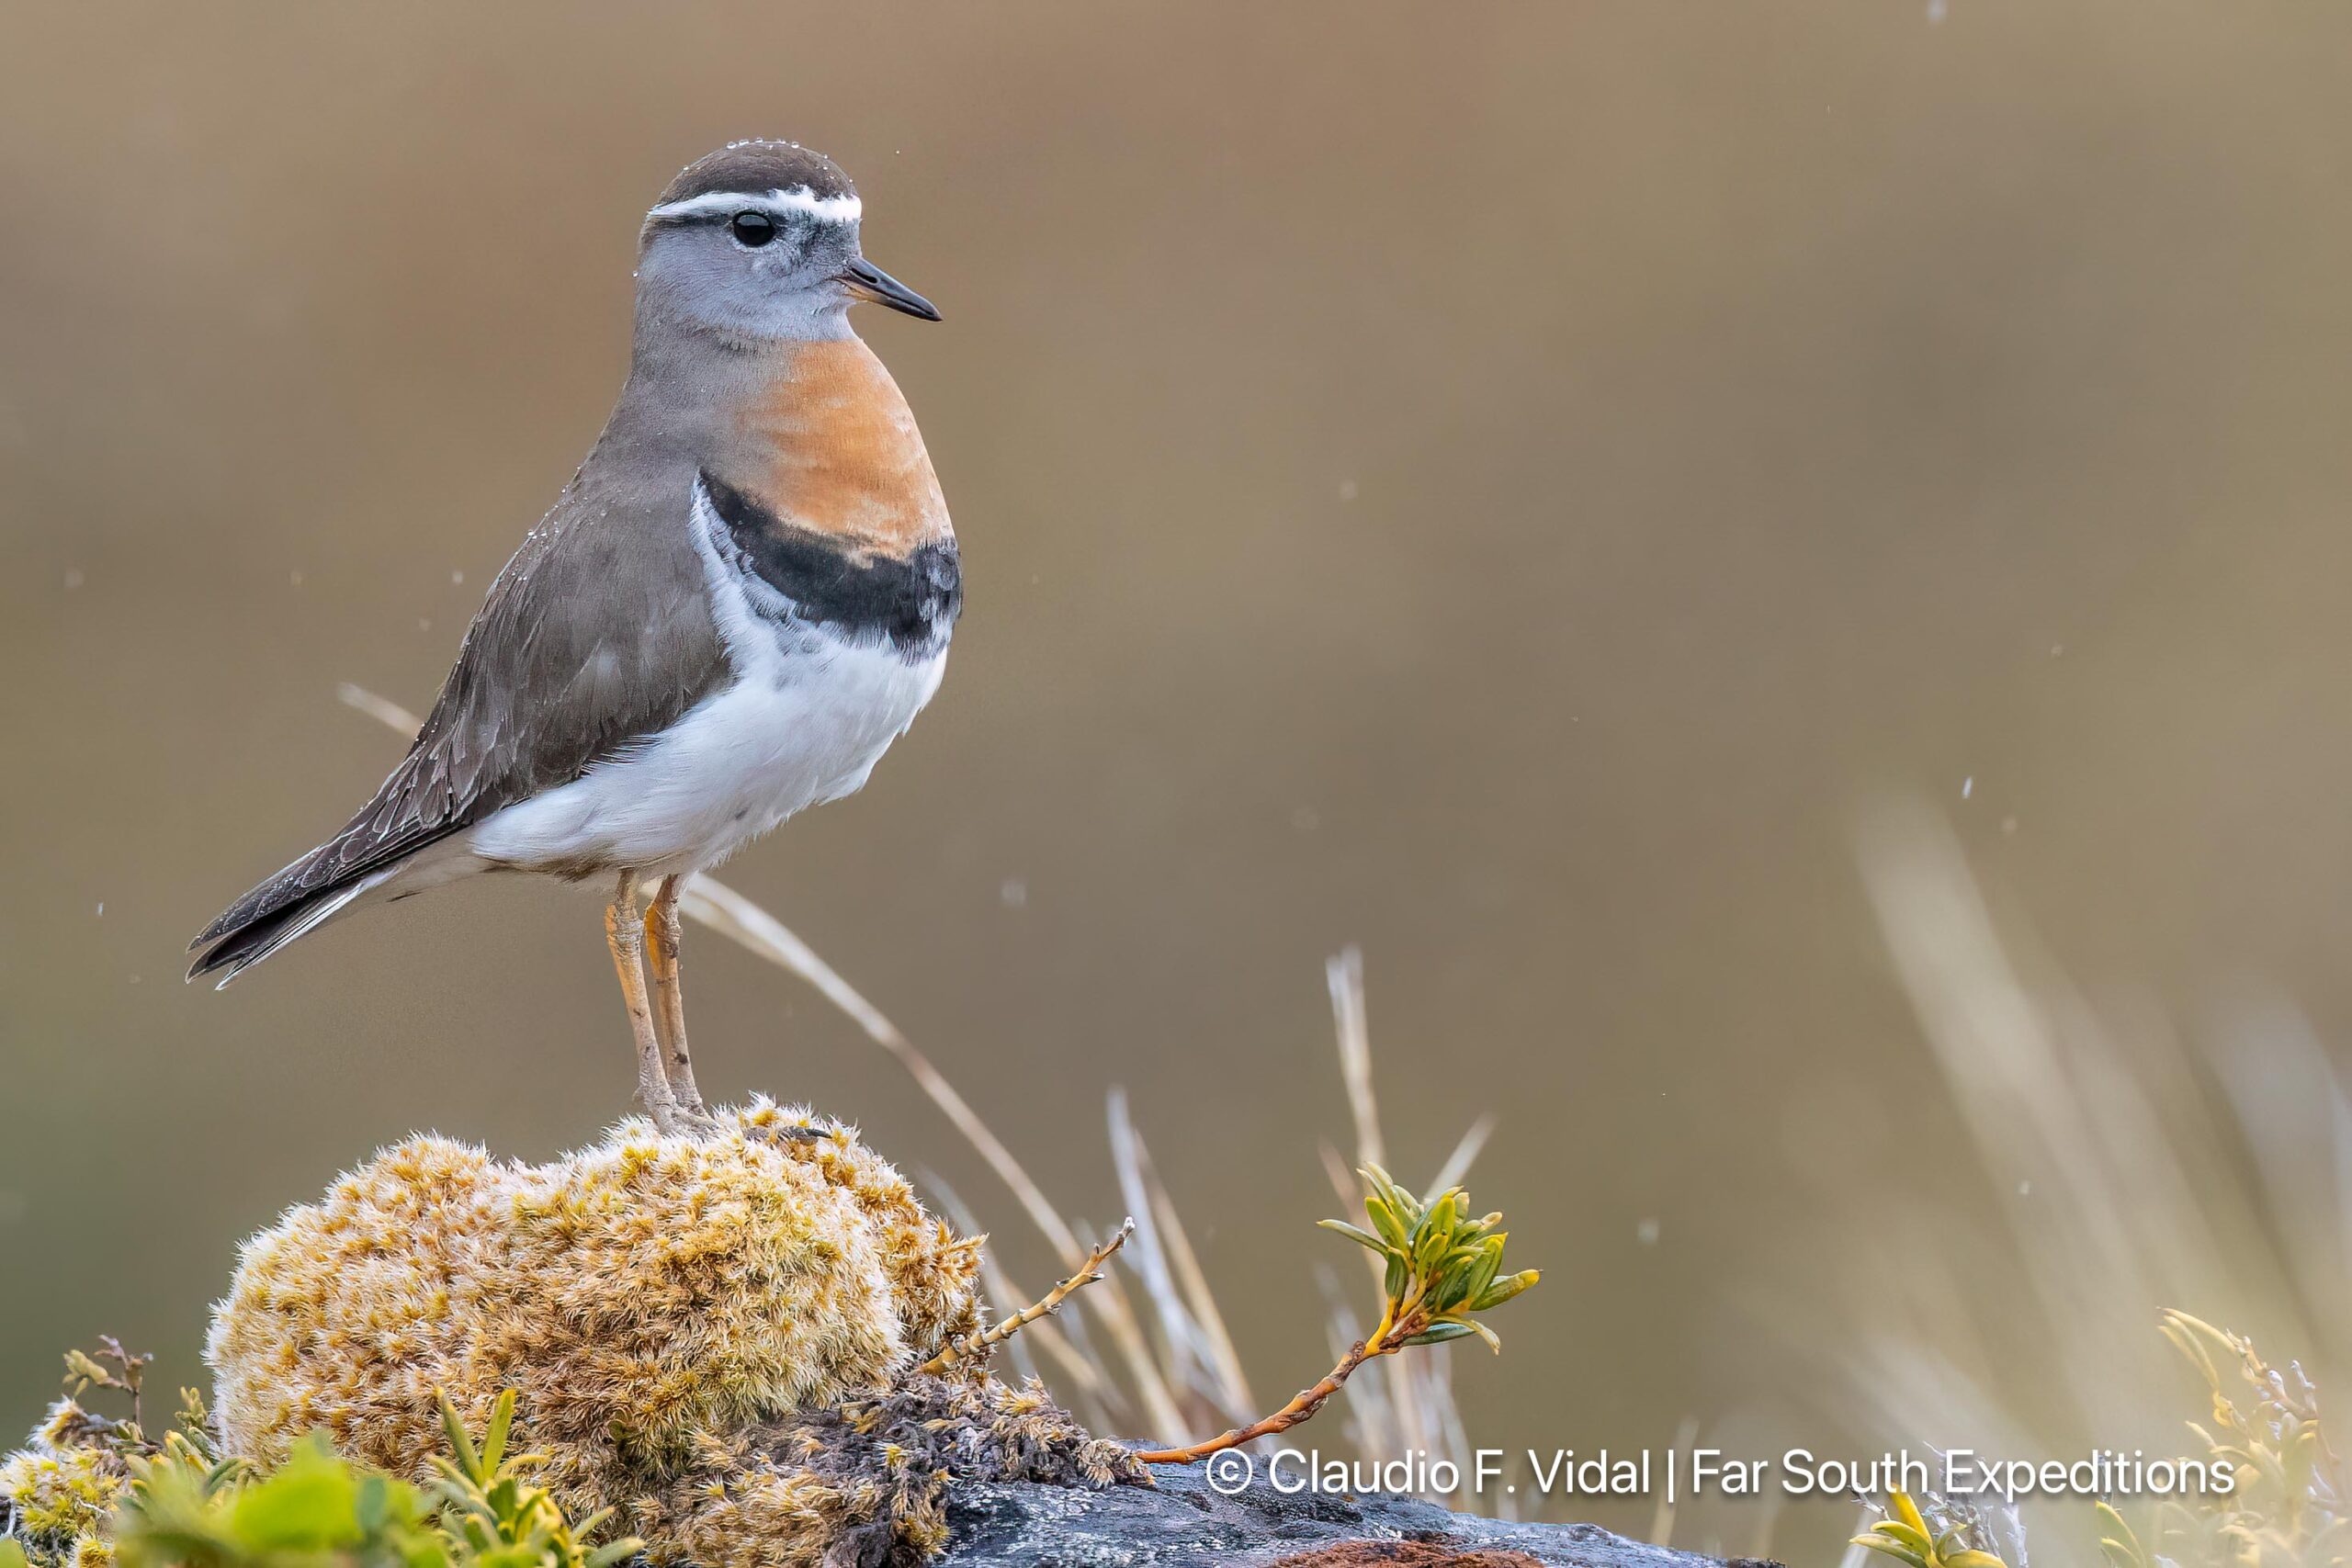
[672, 1120]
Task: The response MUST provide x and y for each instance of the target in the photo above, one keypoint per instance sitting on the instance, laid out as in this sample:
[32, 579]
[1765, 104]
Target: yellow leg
[625, 934]
[662, 928]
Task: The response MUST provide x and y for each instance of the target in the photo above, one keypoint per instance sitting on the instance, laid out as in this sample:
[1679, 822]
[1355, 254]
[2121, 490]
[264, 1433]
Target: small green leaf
[1890, 1548]
[1505, 1288]
[1482, 1274]
[310, 1504]
[373, 1506]
[1452, 1285]
[1915, 1539]
[493, 1445]
[1355, 1233]
[1438, 1333]
[461, 1446]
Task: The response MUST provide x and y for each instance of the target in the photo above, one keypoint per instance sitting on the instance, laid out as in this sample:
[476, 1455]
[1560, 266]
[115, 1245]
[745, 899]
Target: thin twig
[1385, 1341]
[997, 1333]
[1092, 1397]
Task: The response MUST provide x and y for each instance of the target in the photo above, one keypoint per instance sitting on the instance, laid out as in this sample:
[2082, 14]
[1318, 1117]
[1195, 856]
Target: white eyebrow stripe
[799, 198]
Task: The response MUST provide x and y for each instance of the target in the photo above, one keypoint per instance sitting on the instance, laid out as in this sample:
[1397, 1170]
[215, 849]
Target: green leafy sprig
[1441, 1266]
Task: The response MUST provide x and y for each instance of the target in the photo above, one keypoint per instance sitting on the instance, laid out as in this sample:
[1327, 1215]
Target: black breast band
[912, 601]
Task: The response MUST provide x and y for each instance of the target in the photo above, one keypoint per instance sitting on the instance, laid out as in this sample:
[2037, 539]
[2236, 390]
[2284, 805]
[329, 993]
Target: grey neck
[679, 405]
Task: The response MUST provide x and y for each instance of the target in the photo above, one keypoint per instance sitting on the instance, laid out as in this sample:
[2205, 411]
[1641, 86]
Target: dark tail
[230, 950]
[298, 900]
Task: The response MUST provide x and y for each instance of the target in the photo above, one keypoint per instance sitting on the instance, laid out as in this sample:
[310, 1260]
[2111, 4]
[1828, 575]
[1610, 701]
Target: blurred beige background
[1502, 485]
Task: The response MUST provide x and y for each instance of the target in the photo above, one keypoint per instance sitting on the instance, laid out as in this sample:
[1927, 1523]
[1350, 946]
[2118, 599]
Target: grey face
[782, 265]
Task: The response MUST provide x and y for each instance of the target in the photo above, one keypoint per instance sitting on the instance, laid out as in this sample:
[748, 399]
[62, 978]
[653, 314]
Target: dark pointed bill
[867, 281]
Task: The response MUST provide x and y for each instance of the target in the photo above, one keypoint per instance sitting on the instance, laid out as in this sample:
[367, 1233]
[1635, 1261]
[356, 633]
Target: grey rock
[1183, 1522]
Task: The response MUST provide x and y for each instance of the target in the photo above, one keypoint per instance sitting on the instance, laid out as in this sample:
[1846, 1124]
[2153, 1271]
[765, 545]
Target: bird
[742, 598]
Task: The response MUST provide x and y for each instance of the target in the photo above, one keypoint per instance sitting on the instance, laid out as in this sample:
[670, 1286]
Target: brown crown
[758, 166]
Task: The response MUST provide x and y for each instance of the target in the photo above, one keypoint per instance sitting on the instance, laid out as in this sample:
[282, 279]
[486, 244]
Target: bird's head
[760, 240]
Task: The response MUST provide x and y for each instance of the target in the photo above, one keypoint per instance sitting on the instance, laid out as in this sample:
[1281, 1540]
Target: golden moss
[865, 1482]
[647, 1298]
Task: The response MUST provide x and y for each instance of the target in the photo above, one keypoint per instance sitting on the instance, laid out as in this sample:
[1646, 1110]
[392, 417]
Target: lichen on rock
[686, 1322]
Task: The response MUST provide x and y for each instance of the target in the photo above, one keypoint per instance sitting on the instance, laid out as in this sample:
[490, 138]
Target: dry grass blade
[732, 915]
[1686, 1432]
[1199, 1359]
[1371, 1424]
[1197, 1356]
[1456, 1168]
[739, 919]
[1201, 1298]
[382, 709]
[1344, 973]
[1335, 1169]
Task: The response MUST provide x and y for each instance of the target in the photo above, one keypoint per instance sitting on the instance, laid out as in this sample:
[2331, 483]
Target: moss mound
[711, 1336]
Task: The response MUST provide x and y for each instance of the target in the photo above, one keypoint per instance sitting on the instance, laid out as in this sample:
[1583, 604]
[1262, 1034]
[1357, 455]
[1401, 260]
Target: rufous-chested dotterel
[742, 597]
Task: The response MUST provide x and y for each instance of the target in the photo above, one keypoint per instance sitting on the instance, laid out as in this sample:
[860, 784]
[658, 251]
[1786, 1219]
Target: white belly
[789, 733]
[809, 712]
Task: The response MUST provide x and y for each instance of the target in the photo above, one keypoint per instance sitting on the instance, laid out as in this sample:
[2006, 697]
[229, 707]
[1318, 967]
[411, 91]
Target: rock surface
[1183, 1523]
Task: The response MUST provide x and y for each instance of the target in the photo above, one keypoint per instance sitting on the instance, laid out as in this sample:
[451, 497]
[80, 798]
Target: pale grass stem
[723, 909]
[1196, 1352]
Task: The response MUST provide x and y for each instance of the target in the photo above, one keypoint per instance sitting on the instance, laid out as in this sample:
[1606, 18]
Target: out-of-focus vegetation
[93, 1491]
[186, 1508]
[1907, 1535]
[2286, 1509]
[1167, 1361]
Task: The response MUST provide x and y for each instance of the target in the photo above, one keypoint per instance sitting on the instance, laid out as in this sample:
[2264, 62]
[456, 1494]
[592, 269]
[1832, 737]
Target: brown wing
[596, 634]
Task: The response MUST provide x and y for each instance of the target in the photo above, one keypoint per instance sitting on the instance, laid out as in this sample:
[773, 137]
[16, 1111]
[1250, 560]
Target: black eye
[753, 229]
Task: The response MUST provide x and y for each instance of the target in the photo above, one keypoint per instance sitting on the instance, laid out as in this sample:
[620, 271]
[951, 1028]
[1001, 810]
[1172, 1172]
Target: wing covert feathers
[597, 634]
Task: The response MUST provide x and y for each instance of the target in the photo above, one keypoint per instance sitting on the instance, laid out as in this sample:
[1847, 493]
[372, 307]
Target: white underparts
[808, 713]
